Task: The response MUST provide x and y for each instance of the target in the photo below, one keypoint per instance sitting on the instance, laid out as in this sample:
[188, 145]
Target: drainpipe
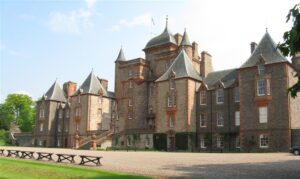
[211, 121]
[229, 120]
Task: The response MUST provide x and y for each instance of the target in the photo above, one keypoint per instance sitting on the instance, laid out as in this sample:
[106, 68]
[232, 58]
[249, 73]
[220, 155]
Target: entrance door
[171, 142]
[66, 142]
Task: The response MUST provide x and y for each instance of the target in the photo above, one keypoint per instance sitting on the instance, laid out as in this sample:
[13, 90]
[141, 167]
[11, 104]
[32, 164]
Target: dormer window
[220, 96]
[261, 69]
[172, 84]
[171, 100]
[236, 94]
[42, 113]
[261, 87]
[60, 113]
[202, 97]
[78, 98]
[77, 112]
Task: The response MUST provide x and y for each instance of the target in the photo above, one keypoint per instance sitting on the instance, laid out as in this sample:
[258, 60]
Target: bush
[4, 137]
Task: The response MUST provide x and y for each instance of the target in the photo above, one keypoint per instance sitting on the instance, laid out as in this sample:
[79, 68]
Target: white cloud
[75, 21]
[140, 20]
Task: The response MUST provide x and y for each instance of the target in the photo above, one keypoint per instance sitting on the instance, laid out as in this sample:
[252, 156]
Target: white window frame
[237, 94]
[203, 98]
[78, 98]
[237, 142]
[58, 127]
[261, 87]
[203, 119]
[263, 114]
[171, 100]
[42, 113]
[263, 141]
[268, 88]
[171, 121]
[77, 126]
[220, 142]
[237, 118]
[77, 112]
[60, 113]
[41, 127]
[130, 84]
[220, 119]
[202, 143]
[261, 69]
[128, 141]
[220, 96]
[172, 84]
[129, 102]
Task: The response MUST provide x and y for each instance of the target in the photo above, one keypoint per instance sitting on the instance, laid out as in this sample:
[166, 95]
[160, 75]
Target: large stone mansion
[173, 100]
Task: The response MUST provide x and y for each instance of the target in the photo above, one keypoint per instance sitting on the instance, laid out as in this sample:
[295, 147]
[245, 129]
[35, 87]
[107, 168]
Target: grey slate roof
[181, 67]
[266, 49]
[91, 85]
[185, 39]
[165, 37]
[225, 77]
[121, 56]
[55, 93]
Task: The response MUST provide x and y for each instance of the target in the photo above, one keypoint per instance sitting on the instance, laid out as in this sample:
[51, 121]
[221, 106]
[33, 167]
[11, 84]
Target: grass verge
[23, 169]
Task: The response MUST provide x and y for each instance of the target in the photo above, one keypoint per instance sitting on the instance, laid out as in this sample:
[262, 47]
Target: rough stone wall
[191, 103]
[278, 117]
[162, 121]
[139, 141]
[294, 103]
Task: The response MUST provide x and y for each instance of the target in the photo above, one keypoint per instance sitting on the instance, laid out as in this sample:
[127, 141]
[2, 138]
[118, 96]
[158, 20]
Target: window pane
[263, 114]
[237, 118]
[261, 87]
[220, 96]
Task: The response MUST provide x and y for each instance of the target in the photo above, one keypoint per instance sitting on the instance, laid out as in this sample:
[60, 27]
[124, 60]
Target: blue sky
[44, 40]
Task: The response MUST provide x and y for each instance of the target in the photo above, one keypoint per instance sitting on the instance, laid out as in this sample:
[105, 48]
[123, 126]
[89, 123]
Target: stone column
[76, 141]
[94, 144]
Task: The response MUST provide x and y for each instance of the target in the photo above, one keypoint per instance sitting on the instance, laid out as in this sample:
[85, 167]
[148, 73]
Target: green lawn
[22, 169]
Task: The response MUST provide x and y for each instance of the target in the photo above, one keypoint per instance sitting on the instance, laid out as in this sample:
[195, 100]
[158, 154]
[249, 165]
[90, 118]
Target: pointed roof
[165, 37]
[181, 67]
[267, 50]
[121, 56]
[91, 85]
[185, 39]
[55, 93]
[224, 77]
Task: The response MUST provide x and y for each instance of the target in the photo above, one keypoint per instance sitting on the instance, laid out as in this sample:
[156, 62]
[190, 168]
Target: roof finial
[266, 29]
[92, 70]
[167, 21]
[56, 79]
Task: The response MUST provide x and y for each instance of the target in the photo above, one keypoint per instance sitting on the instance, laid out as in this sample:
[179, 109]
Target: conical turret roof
[91, 85]
[266, 50]
[121, 56]
[185, 40]
[55, 93]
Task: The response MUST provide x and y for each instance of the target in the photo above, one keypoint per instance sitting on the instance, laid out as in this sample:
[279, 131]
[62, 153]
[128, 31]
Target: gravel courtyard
[192, 165]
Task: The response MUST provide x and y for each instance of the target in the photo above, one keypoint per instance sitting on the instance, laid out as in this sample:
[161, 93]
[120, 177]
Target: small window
[202, 97]
[220, 120]
[77, 126]
[40, 142]
[42, 113]
[261, 87]
[129, 102]
[171, 121]
[58, 128]
[78, 98]
[60, 113]
[130, 73]
[171, 100]
[236, 94]
[77, 112]
[237, 118]
[130, 84]
[41, 127]
[220, 142]
[264, 141]
[263, 114]
[172, 84]
[261, 69]
[202, 120]
[220, 96]
[129, 114]
[67, 113]
[237, 142]
[202, 143]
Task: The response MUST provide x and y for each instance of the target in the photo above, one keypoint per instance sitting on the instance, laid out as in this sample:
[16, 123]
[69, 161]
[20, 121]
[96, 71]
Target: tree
[18, 108]
[291, 44]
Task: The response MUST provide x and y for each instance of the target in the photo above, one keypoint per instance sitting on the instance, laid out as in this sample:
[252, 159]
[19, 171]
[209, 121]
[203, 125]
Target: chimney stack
[253, 46]
[178, 38]
[69, 88]
[205, 64]
[104, 83]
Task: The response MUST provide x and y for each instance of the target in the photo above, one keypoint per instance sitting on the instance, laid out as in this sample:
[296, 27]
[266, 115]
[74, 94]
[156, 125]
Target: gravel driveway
[192, 165]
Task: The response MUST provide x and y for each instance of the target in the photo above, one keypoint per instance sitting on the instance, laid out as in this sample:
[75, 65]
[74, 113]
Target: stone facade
[173, 100]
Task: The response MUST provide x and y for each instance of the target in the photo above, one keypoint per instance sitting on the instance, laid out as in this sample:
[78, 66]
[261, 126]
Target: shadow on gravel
[282, 170]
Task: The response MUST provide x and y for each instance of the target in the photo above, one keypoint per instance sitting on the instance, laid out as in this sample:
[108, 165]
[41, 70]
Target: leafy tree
[18, 108]
[291, 44]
